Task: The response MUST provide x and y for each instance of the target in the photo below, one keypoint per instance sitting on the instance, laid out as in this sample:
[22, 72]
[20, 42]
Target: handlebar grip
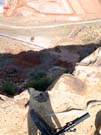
[80, 119]
[73, 123]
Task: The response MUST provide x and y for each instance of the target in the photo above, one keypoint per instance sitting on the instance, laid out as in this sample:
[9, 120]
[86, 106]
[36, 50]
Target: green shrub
[40, 75]
[69, 70]
[8, 87]
[42, 84]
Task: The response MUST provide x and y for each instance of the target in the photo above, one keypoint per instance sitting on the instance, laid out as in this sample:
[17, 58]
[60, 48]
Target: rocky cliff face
[76, 89]
[71, 96]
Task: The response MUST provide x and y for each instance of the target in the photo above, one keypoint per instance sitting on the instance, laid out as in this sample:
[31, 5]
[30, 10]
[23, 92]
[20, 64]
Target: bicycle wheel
[41, 124]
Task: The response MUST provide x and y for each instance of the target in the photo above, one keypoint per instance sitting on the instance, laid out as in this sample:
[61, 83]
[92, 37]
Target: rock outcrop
[70, 96]
[13, 114]
[89, 71]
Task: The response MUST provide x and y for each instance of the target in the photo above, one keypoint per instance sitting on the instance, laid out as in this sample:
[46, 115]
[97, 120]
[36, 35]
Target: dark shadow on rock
[18, 68]
[98, 123]
[51, 120]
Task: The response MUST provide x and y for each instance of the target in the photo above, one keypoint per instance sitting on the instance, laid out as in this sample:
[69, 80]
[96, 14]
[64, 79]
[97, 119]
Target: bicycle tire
[41, 124]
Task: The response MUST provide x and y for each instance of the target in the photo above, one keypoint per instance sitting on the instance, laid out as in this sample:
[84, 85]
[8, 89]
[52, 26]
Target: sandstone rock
[70, 96]
[89, 71]
[13, 115]
[55, 112]
[15, 46]
[3, 98]
[94, 59]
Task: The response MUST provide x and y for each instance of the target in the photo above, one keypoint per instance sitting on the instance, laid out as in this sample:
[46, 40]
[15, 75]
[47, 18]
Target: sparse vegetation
[37, 75]
[8, 87]
[39, 81]
[69, 70]
[41, 84]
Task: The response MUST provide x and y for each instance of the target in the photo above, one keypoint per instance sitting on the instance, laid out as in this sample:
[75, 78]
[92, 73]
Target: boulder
[89, 71]
[55, 108]
[71, 96]
[13, 114]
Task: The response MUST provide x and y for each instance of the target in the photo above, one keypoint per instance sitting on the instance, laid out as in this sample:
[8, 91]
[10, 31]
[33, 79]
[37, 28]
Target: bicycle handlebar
[45, 129]
[73, 123]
